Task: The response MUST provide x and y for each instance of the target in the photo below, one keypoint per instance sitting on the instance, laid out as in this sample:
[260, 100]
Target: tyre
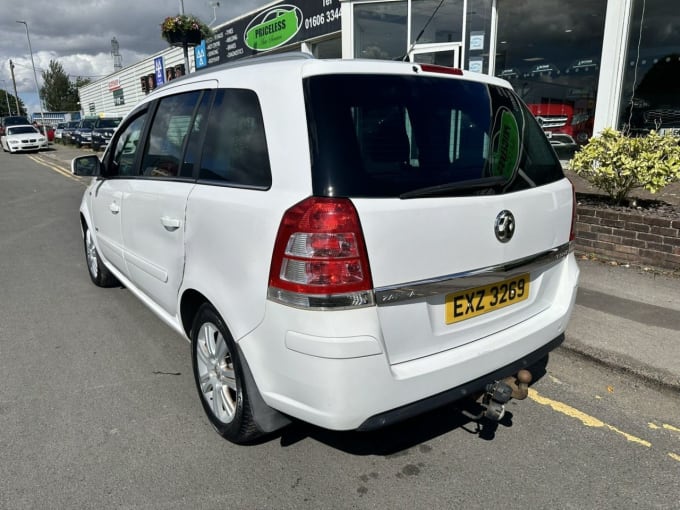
[219, 378]
[99, 273]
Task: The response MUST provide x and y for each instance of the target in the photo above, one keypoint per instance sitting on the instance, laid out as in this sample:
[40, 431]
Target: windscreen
[21, 130]
[410, 136]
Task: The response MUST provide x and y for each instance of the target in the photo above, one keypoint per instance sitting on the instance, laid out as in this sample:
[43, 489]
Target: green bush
[616, 163]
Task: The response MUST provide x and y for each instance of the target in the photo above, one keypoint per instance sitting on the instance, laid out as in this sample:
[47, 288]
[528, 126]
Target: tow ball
[497, 394]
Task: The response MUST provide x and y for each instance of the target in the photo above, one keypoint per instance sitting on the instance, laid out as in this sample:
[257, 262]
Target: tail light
[320, 258]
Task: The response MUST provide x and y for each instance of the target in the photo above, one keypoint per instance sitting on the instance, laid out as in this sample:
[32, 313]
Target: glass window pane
[478, 33]
[550, 51]
[383, 136]
[445, 26]
[380, 30]
[235, 149]
[651, 88]
[169, 130]
[125, 151]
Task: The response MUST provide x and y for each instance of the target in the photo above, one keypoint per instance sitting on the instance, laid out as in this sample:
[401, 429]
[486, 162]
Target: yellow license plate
[480, 300]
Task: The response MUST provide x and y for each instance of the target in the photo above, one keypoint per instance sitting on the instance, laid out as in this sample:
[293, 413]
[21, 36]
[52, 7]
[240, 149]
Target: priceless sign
[273, 27]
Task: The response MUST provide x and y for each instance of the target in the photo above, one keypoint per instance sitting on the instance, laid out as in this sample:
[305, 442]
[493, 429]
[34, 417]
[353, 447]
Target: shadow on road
[394, 439]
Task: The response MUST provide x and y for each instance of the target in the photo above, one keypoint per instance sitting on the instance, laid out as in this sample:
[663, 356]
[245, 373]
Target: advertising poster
[278, 25]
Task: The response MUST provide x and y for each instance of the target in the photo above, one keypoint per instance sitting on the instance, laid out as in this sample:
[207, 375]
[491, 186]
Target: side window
[169, 131]
[125, 151]
[235, 148]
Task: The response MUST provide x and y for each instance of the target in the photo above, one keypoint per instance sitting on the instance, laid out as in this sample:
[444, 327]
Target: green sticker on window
[505, 147]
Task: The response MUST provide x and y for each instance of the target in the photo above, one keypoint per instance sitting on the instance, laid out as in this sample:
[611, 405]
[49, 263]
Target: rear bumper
[337, 375]
[469, 389]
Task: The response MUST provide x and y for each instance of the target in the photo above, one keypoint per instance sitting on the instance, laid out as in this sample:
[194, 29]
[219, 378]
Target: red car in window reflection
[564, 124]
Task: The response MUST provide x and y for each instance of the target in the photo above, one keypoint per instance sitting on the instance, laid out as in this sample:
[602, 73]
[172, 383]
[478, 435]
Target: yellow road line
[674, 456]
[664, 426]
[586, 419]
[54, 167]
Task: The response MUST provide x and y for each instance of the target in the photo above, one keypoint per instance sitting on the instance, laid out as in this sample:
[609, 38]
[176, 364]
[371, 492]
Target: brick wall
[628, 237]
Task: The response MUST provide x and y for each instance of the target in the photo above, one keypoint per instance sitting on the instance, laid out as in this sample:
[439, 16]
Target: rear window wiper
[485, 186]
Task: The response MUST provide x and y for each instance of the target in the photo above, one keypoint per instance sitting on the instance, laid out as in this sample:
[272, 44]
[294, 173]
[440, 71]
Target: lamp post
[9, 110]
[35, 77]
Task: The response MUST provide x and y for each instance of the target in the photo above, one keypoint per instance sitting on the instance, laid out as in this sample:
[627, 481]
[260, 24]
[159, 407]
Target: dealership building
[580, 65]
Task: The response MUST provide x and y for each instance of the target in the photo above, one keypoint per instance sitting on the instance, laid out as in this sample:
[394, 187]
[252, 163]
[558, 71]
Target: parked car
[13, 120]
[67, 131]
[82, 135]
[102, 131]
[349, 262]
[22, 138]
[58, 130]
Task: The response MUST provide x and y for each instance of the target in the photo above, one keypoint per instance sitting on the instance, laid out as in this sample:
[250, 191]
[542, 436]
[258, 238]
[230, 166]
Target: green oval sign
[273, 28]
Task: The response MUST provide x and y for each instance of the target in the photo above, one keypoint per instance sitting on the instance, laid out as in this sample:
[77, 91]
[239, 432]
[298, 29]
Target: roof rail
[256, 59]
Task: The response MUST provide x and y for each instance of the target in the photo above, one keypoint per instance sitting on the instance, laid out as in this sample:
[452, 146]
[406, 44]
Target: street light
[9, 110]
[35, 77]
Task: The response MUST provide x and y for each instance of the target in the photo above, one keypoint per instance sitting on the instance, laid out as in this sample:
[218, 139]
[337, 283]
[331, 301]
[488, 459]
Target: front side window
[235, 148]
[169, 131]
[125, 150]
[397, 136]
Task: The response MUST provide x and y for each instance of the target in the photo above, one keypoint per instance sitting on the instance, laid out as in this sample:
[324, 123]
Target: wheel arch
[267, 419]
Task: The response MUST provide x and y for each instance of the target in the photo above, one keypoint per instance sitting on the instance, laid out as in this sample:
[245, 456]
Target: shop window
[442, 27]
[550, 51]
[651, 91]
[330, 48]
[380, 30]
[478, 36]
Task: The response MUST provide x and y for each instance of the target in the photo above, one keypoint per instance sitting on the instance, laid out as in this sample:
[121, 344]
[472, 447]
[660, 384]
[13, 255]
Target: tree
[55, 90]
[71, 103]
[5, 96]
[59, 93]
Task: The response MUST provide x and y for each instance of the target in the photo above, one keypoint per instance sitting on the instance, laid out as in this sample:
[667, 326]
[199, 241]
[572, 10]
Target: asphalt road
[98, 409]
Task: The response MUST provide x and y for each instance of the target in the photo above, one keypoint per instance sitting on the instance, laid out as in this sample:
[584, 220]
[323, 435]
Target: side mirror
[86, 166]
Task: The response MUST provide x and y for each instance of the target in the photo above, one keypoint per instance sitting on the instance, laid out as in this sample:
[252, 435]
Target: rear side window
[235, 147]
[394, 135]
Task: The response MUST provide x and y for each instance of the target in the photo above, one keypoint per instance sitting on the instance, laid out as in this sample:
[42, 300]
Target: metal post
[35, 77]
[14, 82]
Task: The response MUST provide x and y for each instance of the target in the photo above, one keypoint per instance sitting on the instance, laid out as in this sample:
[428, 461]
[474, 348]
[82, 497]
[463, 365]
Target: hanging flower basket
[184, 29]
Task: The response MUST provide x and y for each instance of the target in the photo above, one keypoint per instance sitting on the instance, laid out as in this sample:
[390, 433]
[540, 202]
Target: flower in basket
[182, 24]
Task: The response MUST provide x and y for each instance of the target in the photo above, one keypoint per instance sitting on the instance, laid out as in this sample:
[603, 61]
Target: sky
[78, 33]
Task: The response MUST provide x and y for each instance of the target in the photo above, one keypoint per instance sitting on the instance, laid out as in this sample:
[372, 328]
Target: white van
[349, 243]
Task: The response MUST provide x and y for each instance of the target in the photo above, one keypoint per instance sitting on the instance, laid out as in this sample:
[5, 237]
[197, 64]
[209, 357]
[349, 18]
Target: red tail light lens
[320, 258]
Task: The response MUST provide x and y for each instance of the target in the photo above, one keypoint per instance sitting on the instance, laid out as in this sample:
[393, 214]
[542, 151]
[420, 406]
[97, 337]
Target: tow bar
[497, 394]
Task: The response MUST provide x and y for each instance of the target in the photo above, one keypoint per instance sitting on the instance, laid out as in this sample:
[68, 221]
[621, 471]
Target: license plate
[480, 300]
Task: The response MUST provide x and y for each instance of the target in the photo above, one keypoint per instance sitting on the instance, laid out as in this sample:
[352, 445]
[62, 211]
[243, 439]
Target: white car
[349, 243]
[23, 138]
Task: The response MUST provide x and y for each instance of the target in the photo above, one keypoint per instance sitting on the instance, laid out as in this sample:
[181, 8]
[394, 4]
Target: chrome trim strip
[385, 296]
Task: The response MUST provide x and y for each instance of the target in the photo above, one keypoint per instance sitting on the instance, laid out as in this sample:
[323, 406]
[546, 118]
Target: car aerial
[82, 135]
[67, 131]
[102, 131]
[391, 238]
[13, 120]
[23, 138]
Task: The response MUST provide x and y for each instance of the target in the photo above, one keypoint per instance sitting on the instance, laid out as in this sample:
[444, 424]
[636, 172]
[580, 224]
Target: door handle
[114, 208]
[170, 224]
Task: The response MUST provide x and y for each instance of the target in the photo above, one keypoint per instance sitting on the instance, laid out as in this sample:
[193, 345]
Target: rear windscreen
[395, 135]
